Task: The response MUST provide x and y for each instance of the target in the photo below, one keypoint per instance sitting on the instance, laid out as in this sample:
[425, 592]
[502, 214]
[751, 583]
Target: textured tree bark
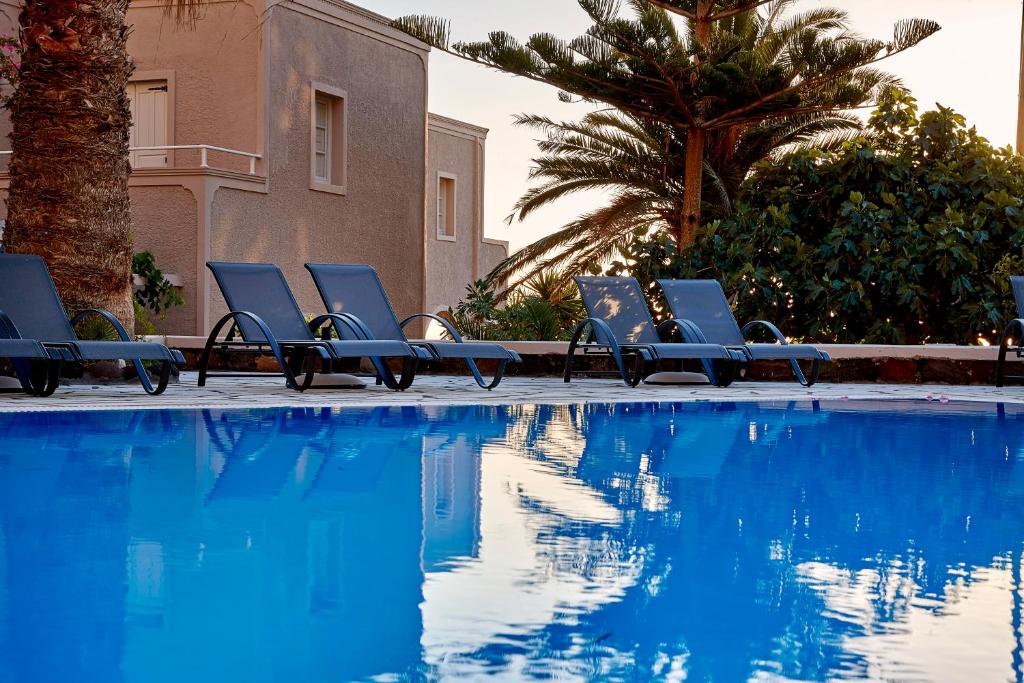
[702, 22]
[68, 198]
[693, 179]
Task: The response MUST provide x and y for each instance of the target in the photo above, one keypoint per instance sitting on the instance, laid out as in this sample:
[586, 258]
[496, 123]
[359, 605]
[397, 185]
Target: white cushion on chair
[338, 380]
[677, 378]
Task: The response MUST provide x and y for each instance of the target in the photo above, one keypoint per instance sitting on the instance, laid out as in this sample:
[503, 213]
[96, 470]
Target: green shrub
[898, 237]
[545, 308]
[157, 295]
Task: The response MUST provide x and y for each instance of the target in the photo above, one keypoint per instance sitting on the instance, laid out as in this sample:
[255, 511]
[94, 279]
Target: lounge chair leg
[386, 377]
[641, 370]
[39, 379]
[484, 384]
[275, 349]
[732, 371]
[309, 363]
[1015, 327]
[140, 370]
[721, 373]
[53, 368]
[799, 373]
[570, 356]
[165, 377]
[815, 371]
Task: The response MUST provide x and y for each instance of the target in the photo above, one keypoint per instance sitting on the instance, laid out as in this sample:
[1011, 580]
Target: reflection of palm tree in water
[63, 505]
[732, 560]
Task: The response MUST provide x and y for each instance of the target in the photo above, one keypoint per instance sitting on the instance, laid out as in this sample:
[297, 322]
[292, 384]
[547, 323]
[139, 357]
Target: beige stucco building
[297, 131]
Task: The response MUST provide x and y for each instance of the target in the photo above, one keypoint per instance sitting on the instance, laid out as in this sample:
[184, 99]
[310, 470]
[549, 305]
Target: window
[322, 143]
[328, 172]
[446, 207]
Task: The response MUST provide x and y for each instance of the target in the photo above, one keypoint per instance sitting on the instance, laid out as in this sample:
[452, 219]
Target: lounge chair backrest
[704, 302]
[356, 289]
[1017, 283]
[29, 297]
[260, 288]
[620, 302]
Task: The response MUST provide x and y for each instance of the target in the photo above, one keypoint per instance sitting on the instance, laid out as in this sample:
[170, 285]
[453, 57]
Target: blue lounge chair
[37, 367]
[264, 312]
[357, 290]
[703, 303]
[620, 325]
[1015, 330]
[34, 310]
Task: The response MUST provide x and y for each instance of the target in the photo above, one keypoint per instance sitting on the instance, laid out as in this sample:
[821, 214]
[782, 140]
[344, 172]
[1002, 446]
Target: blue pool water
[723, 542]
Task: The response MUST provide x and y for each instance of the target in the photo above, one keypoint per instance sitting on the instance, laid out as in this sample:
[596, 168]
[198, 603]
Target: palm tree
[709, 81]
[640, 166]
[641, 163]
[68, 199]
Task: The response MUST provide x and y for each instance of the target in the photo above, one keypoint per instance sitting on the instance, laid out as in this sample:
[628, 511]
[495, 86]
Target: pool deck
[443, 390]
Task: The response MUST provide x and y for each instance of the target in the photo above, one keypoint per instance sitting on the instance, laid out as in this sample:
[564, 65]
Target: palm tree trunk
[68, 198]
[702, 22]
[693, 174]
[693, 179]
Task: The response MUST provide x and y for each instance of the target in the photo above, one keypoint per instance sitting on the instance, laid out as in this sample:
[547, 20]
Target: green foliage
[474, 316]
[143, 323]
[1008, 266]
[655, 258]
[640, 167]
[711, 75]
[10, 66]
[96, 328]
[743, 81]
[157, 294]
[547, 307]
[898, 237]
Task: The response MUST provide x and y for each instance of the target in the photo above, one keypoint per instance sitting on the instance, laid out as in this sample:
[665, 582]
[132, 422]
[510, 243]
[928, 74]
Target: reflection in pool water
[704, 541]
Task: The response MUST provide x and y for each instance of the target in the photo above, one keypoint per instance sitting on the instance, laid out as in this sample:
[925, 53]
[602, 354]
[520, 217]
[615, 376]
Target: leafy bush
[157, 295]
[898, 237]
[545, 308]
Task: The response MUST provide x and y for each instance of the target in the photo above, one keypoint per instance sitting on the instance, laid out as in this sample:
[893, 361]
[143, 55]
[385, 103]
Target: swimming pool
[711, 541]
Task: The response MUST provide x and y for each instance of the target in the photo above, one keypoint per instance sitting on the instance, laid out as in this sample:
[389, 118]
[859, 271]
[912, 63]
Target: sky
[971, 65]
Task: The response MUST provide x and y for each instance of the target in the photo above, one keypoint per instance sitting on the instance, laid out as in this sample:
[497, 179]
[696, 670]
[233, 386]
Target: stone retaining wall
[887, 365]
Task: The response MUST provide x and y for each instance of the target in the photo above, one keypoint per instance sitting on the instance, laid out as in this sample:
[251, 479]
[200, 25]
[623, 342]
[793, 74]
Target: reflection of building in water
[263, 546]
[63, 560]
[451, 501]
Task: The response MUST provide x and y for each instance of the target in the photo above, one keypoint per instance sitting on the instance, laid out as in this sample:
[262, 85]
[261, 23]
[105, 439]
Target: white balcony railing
[204, 154]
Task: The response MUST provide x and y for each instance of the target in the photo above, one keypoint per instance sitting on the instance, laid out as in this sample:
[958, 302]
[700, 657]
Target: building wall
[212, 68]
[241, 78]
[379, 218]
[458, 149]
[166, 220]
[214, 74]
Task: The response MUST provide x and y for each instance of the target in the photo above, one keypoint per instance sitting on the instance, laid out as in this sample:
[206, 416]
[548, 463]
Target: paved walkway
[438, 390]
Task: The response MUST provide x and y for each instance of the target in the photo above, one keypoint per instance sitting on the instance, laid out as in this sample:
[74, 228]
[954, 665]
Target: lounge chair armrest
[7, 327]
[776, 332]
[108, 316]
[688, 330]
[448, 327]
[350, 321]
[595, 324]
[232, 317]
[1015, 328]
